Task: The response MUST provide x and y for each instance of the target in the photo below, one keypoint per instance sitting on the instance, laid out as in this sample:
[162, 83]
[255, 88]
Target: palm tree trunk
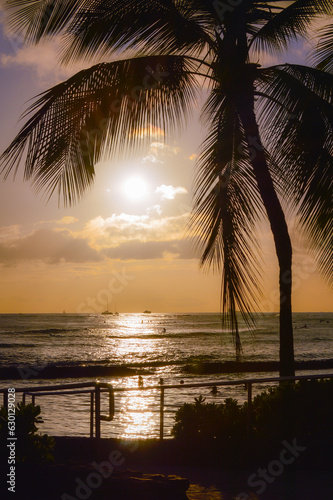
[279, 229]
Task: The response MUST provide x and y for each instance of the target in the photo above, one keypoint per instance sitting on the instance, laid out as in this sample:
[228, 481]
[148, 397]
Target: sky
[120, 246]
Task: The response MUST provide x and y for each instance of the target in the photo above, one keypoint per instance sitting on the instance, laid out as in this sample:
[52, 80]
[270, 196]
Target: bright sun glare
[135, 188]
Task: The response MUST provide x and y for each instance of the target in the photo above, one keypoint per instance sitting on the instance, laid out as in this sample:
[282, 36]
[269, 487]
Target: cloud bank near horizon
[119, 237]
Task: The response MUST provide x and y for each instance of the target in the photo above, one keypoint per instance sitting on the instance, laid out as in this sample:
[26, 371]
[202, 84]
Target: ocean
[168, 346]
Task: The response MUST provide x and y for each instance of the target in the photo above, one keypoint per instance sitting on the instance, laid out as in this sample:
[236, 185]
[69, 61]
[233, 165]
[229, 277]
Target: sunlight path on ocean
[154, 345]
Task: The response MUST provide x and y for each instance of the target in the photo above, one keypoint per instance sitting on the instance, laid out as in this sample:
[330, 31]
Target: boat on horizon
[107, 309]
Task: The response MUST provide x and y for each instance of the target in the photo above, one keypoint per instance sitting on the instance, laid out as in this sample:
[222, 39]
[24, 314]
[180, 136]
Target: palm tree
[269, 128]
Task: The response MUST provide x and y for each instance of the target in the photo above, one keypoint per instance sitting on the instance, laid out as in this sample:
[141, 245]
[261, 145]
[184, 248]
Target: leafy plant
[202, 421]
[303, 409]
[30, 447]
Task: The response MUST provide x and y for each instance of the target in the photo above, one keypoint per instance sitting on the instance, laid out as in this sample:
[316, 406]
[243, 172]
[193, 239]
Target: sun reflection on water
[138, 413]
[136, 410]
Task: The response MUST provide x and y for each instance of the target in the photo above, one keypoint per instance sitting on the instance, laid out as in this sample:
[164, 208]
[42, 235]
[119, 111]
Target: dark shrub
[303, 409]
[202, 421]
[30, 447]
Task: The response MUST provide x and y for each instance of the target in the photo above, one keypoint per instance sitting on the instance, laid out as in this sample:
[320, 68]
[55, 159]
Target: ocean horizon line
[154, 312]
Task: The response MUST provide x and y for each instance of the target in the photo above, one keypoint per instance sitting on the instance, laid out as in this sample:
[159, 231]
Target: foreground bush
[30, 447]
[303, 409]
[202, 420]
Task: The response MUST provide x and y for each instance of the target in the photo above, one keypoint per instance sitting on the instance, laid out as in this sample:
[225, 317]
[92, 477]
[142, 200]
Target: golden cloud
[122, 228]
[67, 220]
[149, 131]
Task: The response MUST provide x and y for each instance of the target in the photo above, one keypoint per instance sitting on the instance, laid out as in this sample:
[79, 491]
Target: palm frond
[324, 51]
[106, 106]
[288, 23]
[100, 27]
[227, 206]
[299, 129]
[141, 25]
[35, 19]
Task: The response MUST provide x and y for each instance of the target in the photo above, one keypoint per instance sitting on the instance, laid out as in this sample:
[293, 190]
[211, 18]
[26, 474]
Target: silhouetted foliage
[30, 447]
[202, 421]
[303, 410]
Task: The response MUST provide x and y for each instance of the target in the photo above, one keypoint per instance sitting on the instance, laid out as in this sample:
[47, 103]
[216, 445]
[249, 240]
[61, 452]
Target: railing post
[33, 397]
[162, 413]
[92, 414]
[97, 411]
[249, 408]
[23, 398]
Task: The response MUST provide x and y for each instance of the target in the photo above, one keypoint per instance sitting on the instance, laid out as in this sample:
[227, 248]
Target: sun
[135, 188]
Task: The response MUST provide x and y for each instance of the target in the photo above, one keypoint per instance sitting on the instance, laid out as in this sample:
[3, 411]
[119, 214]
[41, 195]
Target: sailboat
[107, 308]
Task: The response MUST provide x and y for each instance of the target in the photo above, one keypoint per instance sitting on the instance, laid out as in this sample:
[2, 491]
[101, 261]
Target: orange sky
[115, 245]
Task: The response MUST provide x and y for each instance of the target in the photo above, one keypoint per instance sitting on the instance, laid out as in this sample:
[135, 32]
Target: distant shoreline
[61, 372]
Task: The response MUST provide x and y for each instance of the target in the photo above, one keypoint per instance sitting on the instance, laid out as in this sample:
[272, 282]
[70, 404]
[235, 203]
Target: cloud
[160, 146]
[121, 236]
[9, 232]
[151, 159]
[169, 192]
[48, 246]
[118, 229]
[159, 152]
[41, 58]
[149, 131]
[67, 220]
[139, 250]
[154, 210]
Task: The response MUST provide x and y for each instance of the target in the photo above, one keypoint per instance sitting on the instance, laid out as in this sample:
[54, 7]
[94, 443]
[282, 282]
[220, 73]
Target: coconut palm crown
[269, 129]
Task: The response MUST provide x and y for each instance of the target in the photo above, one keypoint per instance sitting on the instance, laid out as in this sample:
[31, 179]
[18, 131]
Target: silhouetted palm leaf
[38, 18]
[144, 26]
[292, 21]
[302, 118]
[108, 104]
[100, 27]
[324, 51]
[227, 207]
